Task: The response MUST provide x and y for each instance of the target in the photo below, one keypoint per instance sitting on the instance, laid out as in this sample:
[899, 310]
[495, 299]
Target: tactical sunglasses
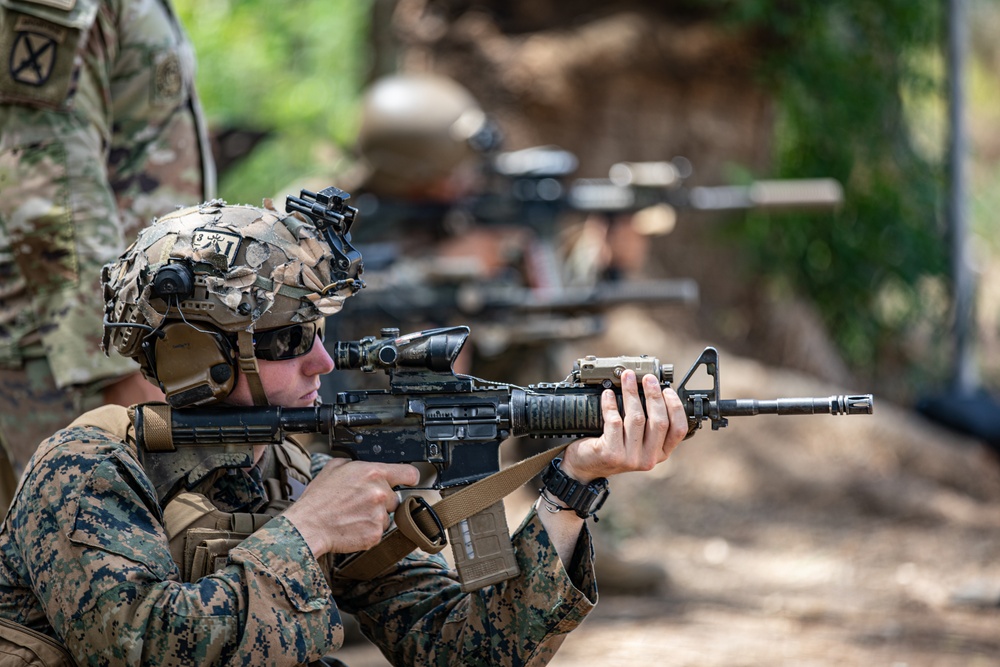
[288, 342]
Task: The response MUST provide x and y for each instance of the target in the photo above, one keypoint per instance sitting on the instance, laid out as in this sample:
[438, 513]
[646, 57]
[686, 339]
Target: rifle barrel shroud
[457, 423]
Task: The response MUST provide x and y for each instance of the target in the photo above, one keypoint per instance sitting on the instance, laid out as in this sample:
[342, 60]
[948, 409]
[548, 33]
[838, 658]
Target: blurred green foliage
[848, 75]
[292, 69]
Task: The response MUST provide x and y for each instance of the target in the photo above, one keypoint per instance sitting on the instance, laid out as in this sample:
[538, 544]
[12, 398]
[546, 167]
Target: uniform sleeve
[418, 615]
[59, 222]
[88, 528]
[61, 226]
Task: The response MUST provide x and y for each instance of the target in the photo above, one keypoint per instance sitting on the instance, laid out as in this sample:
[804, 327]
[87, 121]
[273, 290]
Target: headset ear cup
[201, 368]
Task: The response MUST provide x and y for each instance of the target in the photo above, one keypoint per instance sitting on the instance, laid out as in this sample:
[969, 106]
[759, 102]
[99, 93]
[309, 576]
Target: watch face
[601, 489]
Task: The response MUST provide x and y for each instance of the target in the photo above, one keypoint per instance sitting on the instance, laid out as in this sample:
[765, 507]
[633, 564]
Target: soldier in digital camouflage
[231, 557]
[100, 131]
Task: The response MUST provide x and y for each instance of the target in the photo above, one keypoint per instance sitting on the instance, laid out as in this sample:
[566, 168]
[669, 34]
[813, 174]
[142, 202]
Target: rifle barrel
[816, 193]
[857, 404]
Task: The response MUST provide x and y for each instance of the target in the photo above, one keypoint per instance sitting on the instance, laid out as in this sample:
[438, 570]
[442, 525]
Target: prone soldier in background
[101, 131]
[234, 558]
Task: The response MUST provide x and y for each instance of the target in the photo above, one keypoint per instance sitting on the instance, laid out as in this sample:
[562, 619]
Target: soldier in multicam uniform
[101, 132]
[127, 562]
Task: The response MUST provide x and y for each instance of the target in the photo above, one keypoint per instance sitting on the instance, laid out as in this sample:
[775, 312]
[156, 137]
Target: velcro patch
[217, 242]
[168, 81]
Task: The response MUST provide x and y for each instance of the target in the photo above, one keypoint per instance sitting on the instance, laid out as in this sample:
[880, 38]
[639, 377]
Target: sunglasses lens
[287, 342]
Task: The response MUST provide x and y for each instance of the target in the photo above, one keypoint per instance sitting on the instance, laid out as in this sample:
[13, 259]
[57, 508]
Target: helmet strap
[248, 366]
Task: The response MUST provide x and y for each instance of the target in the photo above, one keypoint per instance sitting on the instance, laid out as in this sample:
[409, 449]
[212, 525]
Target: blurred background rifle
[549, 289]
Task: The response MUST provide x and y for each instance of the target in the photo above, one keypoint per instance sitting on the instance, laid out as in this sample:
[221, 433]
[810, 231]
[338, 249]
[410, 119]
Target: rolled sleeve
[418, 614]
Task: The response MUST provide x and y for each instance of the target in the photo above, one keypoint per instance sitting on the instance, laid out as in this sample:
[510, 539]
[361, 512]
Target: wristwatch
[584, 499]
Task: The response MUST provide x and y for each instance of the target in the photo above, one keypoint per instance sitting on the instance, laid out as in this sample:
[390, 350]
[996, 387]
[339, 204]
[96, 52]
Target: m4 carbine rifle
[430, 414]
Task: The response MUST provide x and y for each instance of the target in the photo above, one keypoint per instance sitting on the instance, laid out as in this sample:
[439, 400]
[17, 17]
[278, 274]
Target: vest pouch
[206, 551]
[191, 520]
[20, 645]
[201, 535]
[209, 554]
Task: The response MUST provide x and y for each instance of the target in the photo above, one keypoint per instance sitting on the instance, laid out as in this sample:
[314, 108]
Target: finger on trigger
[402, 474]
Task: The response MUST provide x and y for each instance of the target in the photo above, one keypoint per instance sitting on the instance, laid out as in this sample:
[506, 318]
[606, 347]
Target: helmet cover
[237, 269]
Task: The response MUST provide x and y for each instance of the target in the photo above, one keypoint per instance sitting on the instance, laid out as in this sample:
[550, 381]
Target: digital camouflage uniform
[101, 132]
[84, 557]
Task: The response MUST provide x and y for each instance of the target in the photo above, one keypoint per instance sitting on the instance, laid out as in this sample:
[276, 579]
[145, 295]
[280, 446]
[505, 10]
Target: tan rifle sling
[450, 511]
[211, 540]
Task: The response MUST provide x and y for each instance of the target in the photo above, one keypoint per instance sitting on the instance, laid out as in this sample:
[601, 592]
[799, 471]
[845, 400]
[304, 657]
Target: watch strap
[584, 499]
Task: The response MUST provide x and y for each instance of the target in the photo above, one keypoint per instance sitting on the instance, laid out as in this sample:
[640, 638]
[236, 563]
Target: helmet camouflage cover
[237, 269]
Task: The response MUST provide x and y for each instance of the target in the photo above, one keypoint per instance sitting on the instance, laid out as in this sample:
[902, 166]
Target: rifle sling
[450, 510]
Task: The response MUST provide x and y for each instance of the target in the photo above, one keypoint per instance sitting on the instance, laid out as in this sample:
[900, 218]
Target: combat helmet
[201, 289]
[416, 128]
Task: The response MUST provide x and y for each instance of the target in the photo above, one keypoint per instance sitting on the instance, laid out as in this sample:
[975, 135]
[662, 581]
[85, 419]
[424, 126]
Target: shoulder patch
[33, 52]
[39, 41]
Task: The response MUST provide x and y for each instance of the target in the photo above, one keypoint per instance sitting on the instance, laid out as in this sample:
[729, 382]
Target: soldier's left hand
[639, 440]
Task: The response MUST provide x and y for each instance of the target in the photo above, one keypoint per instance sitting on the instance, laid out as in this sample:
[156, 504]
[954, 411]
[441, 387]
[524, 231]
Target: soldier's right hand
[346, 508]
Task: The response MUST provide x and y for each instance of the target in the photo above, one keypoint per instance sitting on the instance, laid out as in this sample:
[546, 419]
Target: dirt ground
[796, 540]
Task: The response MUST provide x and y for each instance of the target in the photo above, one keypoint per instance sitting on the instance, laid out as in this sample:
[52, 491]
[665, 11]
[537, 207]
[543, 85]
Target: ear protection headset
[203, 361]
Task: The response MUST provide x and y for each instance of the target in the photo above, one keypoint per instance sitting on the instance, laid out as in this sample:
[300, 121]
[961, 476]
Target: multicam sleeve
[62, 226]
[418, 615]
[87, 525]
[59, 222]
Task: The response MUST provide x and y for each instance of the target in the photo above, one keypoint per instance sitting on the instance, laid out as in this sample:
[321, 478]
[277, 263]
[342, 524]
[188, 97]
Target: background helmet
[416, 129]
[186, 298]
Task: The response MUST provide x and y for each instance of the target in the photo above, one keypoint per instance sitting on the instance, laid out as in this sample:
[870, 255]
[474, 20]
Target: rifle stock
[432, 415]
